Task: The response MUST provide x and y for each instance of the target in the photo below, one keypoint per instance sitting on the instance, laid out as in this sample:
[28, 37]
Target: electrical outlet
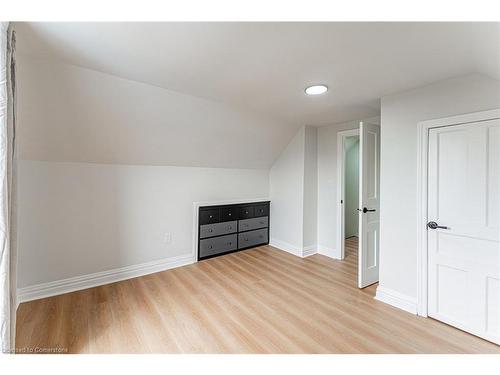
[167, 238]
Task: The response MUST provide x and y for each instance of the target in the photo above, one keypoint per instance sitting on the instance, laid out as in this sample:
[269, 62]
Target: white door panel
[369, 185]
[463, 195]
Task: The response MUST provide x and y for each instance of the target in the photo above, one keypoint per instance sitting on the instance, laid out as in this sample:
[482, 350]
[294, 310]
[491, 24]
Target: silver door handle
[434, 225]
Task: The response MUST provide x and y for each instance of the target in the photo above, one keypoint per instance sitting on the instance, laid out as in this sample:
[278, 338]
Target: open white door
[369, 203]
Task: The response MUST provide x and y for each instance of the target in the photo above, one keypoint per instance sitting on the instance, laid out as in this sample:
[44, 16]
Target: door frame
[423, 129]
[341, 136]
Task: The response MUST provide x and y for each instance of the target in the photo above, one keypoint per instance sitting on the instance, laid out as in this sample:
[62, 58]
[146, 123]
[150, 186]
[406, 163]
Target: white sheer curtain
[8, 256]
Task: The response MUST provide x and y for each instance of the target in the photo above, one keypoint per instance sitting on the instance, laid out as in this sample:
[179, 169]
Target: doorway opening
[351, 199]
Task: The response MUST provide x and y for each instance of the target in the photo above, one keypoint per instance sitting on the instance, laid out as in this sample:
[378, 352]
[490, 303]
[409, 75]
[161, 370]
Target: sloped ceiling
[244, 80]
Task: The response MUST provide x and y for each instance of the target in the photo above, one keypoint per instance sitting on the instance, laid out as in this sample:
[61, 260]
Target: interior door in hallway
[369, 203]
[463, 227]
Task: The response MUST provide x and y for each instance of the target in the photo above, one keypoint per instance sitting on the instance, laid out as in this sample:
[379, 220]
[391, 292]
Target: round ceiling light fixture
[316, 89]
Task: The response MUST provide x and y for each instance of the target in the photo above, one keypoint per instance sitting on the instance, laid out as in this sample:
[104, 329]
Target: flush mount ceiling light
[316, 89]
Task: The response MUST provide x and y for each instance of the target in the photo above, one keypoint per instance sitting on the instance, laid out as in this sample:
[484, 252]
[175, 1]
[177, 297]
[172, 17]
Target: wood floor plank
[261, 300]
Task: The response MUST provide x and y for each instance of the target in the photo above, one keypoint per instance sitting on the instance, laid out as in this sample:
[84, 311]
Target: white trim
[197, 205]
[328, 251]
[422, 151]
[396, 299]
[341, 135]
[301, 252]
[492, 114]
[285, 246]
[309, 250]
[72, 284]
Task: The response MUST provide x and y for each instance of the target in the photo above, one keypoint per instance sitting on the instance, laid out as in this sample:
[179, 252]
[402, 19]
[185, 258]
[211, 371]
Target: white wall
[327, 184]
[351, 187]
[310, 188]
[80, 218]
[68, 113]
[400, 114]
[286, 190]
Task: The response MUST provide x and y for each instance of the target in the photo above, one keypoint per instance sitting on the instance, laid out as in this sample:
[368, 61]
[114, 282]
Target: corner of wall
[286, 194]
[285, 246]
[328, 251]
[310, 193]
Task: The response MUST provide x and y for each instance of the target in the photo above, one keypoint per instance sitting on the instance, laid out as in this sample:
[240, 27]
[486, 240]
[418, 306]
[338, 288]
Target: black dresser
[232, 227]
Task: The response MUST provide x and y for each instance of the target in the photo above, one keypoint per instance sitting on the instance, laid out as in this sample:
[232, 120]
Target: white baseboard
[292, 249]
[328, 251]
[396, 299]
[72, 284]
[309, 250]
[285, 246]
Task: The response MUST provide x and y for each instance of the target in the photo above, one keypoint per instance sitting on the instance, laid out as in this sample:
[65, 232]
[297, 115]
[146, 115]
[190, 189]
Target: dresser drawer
[209, 216]
[210, 230]
[252, 238]
[246, 212]
[261, 210]
[216, 245]
[251, 224]
[228, 213]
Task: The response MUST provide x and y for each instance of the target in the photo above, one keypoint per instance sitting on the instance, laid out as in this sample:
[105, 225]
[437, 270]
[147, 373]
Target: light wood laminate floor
[261, 300]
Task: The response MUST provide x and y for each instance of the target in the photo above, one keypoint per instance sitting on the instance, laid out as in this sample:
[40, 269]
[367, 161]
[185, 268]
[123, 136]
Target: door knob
[434, 225]
[365, 210]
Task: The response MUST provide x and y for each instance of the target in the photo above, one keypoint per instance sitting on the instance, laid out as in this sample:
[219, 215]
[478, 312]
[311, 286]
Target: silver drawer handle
[229, 214]
[229, 243]
[210, 230]
[210, 247]
[229, 227]
[211, 216]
